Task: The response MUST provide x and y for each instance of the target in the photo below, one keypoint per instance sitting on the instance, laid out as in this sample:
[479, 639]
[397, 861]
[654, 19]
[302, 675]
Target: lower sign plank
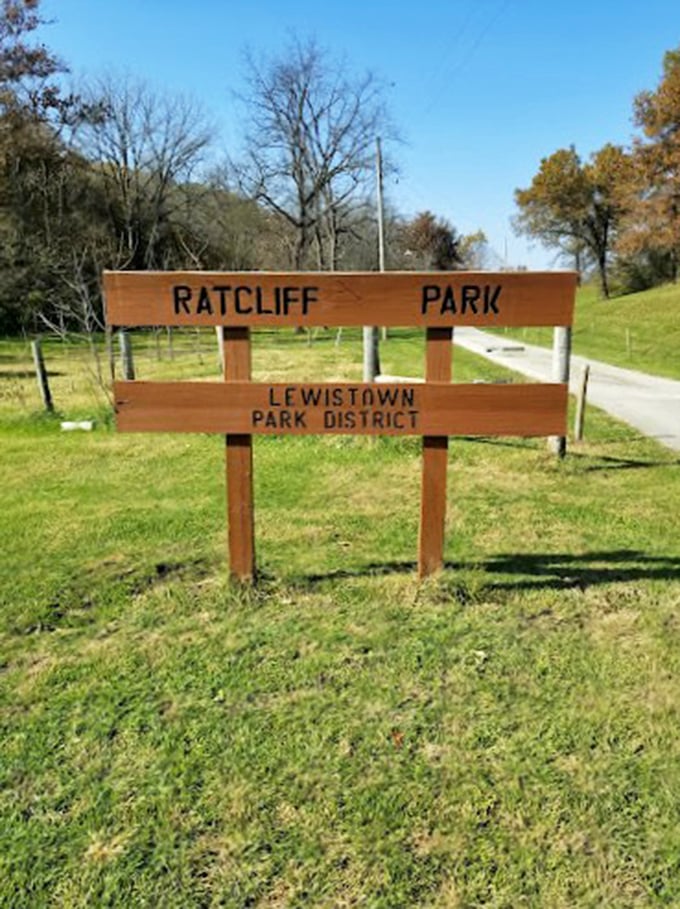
[431, 409]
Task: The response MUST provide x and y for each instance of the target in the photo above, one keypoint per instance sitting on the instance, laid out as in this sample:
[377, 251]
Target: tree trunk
[604, 282]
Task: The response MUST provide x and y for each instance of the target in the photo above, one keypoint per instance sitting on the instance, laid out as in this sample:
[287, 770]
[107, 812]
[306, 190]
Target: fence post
[126, 360]
[561, 358]
[41, 375]
[581, 404]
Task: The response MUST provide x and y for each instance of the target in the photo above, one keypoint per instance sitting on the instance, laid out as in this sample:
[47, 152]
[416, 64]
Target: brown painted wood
[440, 409]
[339, 298]
[239, 462]
[438, 352]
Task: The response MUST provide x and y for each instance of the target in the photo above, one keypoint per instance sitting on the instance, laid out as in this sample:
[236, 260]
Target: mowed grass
[637, 331]
[504, 734]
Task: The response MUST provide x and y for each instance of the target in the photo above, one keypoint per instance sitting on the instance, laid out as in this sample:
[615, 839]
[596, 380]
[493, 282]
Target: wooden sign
[435, 409]
[407, 299]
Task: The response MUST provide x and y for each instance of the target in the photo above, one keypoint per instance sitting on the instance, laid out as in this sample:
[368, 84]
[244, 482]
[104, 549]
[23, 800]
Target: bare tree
[309, 144]
[145, 144]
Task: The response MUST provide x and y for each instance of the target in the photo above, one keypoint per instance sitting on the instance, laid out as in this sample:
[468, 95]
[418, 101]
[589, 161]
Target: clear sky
[480, 90]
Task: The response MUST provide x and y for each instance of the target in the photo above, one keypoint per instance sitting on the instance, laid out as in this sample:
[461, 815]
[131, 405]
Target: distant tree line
[119, 175]
[619, 211]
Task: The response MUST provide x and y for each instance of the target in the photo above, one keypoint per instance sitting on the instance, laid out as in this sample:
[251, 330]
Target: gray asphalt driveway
[648, 403]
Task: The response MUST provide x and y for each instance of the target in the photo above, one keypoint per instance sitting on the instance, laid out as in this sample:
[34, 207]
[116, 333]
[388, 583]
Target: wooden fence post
[561, 358]
[581, 404]
[41, 375]
[435, 456]
[126, 361]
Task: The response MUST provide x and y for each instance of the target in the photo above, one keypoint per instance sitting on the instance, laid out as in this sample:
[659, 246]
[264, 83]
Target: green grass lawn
[636, 331]
[504, 734]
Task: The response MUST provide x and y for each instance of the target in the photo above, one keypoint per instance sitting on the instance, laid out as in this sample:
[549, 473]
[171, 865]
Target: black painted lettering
[273, 401]
[413, 414]
[388, 396]
[222, 290]
[398, 419]
[300, 419]
[329, 419]
[277, 304]
[181, 294]
[309, 295]
[378, 420]
[470, 294]
[289, 295]
[260, 308]
[257, 417]
[408, 397]
[491, 295]
[449, 301]
[431, 292]
[310, 396]
[285, 419]
[242, 310]
[367, 397]
[350, 420]
[336, 397]
[204, 304]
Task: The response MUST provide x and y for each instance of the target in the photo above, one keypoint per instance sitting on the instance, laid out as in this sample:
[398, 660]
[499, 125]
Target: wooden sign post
[435, 409]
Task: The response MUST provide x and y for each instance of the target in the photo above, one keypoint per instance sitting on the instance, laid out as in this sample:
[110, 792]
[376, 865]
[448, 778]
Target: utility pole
[370, 333]
[381, 213]
[381, 209]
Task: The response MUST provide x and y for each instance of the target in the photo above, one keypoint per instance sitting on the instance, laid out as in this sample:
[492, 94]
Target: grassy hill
[637, 331]
[504, 734]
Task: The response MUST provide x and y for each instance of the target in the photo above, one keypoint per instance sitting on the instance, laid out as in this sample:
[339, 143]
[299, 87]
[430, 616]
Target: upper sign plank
[406, 299]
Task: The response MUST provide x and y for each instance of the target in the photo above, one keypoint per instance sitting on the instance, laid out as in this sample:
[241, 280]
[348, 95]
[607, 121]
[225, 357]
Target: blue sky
[479, 89]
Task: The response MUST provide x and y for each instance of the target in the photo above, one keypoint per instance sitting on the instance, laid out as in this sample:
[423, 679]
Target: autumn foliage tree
[574, 206]
[652, 189]
[431, 242]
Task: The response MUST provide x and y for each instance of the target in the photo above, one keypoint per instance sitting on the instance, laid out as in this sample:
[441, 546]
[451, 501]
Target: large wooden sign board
[435, 409]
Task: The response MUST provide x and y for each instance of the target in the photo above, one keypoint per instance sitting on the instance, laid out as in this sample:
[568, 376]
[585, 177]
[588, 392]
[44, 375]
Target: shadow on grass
[26, 374]
[610, 463]
[535, 571]
[589, 463]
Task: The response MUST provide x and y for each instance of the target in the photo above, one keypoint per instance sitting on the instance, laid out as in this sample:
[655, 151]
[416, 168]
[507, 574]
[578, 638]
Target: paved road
[648, 403]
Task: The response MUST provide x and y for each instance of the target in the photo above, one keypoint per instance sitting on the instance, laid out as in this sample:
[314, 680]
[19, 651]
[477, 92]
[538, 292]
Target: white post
[220, 347]
[371, 354]
[126, 360]
[561, 358]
